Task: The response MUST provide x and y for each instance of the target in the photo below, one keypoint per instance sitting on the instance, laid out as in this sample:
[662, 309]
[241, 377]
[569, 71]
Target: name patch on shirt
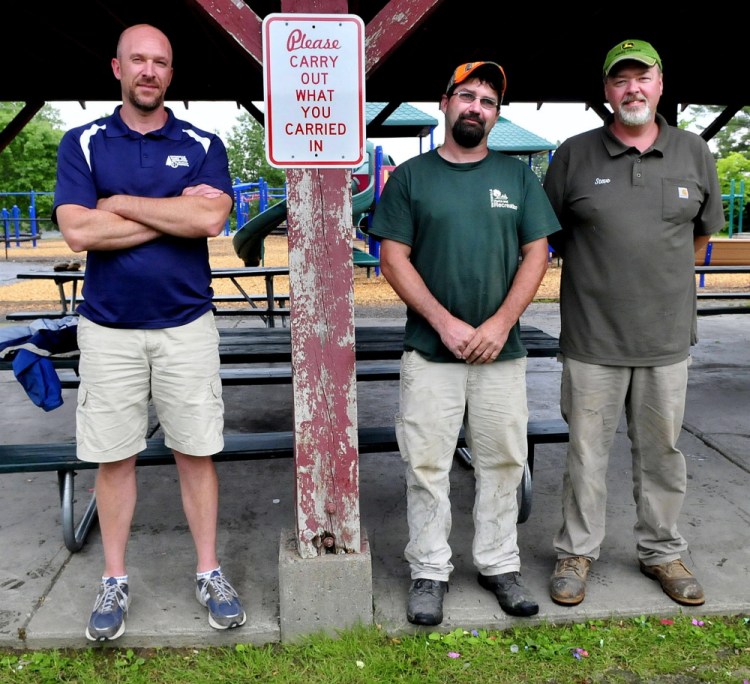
[175, 160]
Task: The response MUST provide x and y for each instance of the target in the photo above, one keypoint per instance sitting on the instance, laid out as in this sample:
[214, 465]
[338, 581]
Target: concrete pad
[327, 594]
[46, 592]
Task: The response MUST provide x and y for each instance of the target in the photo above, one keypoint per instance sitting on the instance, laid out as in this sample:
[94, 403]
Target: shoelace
[111, 594]
[223, 590]
[427, 586]
[570, 564]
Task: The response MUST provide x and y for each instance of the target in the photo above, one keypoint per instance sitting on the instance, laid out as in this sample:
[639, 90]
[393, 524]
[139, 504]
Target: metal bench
[261, 356]
[725, 268]
[61, 458]
[281, 308]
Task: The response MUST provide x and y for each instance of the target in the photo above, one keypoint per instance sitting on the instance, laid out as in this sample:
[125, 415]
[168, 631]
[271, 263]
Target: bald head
[139, 33]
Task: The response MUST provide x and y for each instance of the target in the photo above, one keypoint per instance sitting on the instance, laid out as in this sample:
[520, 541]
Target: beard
[467, 135]
[636, 117]
[149, 105]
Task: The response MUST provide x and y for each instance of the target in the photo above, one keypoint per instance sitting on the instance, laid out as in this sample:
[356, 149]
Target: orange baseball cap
[492, 71]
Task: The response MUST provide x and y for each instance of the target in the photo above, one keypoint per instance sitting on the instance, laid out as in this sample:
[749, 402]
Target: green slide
[248, 240]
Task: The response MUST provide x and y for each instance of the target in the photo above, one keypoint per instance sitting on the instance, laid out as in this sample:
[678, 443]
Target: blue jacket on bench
[30, 345]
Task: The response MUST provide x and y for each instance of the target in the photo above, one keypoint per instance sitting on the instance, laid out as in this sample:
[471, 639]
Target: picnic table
[261, 356]
[270, 307]
[731, 269]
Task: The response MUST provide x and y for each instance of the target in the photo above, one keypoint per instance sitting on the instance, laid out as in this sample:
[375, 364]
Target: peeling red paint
[322, 296]
[321, 283]
[239, 21]
[392, 26]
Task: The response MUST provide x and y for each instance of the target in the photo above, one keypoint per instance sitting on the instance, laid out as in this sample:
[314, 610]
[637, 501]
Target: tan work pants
[435, 399]
[592, 398]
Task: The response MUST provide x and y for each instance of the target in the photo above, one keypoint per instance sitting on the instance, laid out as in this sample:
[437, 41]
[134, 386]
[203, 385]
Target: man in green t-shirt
[636, 199]
[453, 224]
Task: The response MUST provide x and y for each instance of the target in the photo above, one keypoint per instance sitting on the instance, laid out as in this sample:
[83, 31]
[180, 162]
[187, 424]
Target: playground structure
[736, 206]
[246, 193]
[18, 228]
[367, 182]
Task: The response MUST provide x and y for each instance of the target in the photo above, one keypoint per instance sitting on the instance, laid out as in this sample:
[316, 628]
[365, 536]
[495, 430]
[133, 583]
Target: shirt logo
[683, 193]
[602, 181]
[175, 160]
[499, 200]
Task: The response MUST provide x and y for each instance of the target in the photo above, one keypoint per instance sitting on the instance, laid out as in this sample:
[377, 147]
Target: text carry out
[314, 76]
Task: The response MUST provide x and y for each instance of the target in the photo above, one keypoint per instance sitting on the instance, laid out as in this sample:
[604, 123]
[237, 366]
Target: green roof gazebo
[512, 139]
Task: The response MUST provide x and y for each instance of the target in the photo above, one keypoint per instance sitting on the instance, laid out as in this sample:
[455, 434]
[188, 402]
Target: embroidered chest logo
[499, 200]
[175, 160]
[682, 193]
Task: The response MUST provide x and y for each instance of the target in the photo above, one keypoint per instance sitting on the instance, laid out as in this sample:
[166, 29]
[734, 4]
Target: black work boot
[426, 601]
[513, 596]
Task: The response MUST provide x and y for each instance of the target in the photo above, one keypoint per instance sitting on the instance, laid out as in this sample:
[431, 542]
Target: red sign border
[272, 18]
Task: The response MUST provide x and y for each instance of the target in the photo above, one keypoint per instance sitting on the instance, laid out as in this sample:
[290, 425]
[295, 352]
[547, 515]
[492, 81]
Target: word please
[297, 40]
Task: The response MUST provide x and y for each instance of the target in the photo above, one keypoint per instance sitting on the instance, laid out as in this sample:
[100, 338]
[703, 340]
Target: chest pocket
[681, 200]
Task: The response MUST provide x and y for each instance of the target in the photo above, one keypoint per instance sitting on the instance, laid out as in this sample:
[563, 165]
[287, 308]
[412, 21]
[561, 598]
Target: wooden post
[321, 286]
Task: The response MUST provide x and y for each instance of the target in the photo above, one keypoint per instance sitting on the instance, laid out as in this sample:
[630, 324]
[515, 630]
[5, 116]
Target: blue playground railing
[18, 228]
[736, 202]
[246, 193]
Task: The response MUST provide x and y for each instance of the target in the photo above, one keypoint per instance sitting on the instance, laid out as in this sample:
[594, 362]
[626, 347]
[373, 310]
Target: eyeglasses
[468, 98]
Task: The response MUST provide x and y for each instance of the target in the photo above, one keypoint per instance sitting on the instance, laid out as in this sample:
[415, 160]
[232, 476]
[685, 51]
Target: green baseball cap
[637, 50]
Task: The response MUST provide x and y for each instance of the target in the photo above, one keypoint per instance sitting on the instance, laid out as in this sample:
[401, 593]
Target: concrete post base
[324, 594]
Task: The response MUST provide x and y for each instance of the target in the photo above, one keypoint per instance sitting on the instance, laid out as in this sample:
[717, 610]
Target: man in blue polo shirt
[140, 192]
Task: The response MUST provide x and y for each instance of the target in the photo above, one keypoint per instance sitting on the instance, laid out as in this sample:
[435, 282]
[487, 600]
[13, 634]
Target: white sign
[314, 76]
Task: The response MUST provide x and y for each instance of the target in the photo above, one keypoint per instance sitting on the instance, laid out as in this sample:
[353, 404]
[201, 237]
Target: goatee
[468, 135]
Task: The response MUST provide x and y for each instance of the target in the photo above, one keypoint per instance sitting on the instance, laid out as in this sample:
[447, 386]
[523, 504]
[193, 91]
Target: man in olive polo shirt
[636, 199]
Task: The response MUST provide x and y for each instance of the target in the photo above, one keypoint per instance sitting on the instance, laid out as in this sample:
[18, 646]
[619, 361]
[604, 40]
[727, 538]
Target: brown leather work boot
[677, 582]
[567, 586]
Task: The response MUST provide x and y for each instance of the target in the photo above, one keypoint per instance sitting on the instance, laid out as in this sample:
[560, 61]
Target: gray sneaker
[426, 601]
[224, 608]
[107, 620]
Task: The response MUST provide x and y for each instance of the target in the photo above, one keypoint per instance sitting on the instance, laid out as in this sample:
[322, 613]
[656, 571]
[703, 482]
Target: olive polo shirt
[628, 221]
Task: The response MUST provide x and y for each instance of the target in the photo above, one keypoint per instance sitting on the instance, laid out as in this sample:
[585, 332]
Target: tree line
[29, 162]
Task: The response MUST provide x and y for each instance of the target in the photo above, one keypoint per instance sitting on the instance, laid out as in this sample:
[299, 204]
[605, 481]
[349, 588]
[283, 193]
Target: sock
[123, 579]
[207, 574]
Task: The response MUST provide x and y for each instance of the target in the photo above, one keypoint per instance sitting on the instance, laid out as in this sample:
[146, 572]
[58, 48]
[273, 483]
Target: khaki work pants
[592, 398]
[435, 400]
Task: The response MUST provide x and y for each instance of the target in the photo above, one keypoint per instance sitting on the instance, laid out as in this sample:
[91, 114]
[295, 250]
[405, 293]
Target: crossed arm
[474, 345]
[123, 221]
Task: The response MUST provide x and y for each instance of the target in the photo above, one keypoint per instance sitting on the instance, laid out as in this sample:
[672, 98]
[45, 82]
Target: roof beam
[239, 21]
[392, 26]
[720, 121]
[15, 126]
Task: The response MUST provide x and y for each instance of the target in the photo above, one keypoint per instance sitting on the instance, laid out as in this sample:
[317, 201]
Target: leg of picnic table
[74, 537]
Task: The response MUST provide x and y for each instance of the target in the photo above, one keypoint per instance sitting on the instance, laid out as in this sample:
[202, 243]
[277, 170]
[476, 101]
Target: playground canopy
[513, 139]
[405, 122]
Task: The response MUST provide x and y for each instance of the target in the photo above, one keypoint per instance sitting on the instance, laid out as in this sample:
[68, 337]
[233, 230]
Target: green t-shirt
[465, 224]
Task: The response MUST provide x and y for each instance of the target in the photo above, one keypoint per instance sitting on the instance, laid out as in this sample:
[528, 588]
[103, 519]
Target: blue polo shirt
[163, 283]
